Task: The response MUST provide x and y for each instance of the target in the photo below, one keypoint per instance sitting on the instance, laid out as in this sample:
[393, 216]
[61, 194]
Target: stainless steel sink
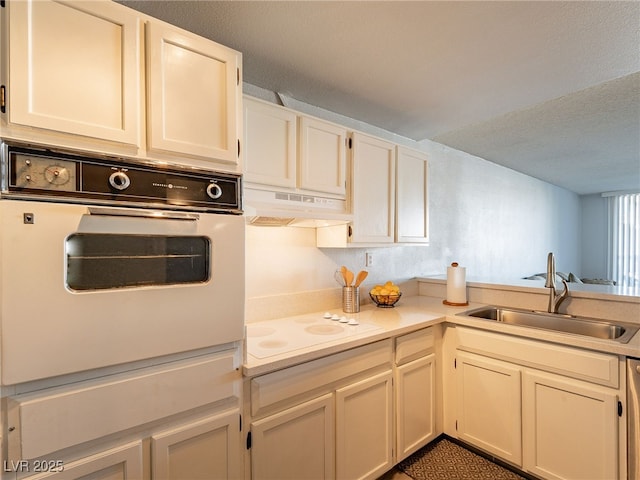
[589, 327]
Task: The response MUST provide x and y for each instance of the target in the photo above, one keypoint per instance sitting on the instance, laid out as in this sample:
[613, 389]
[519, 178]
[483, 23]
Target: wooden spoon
[348, 277]
[344, 271]
[362, 274]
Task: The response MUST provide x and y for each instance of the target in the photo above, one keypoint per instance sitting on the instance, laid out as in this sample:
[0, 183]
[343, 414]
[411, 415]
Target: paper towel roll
[456, 285]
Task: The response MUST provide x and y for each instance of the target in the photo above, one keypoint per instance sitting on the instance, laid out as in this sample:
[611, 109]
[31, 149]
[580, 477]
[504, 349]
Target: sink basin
[589, 327]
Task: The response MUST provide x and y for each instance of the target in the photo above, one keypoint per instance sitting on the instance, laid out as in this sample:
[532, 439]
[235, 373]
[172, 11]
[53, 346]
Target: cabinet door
[322, 157]
[415, 405]
[118, 463]
[91, 91]
[412, 222]
[373, 193]
[205, 449]
[489, 405]
[570, 428]
[270, 144]
[295, 443]
[193, 95]
[364, 428]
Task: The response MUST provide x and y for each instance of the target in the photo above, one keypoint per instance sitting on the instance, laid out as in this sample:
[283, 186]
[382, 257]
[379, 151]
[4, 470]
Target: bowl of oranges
[385, 296]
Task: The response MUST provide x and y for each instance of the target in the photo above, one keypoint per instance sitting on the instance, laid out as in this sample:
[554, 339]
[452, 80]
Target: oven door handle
[132, 212]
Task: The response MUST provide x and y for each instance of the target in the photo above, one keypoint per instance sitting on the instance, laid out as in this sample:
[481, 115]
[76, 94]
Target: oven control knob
[119, 180]
[214, 191]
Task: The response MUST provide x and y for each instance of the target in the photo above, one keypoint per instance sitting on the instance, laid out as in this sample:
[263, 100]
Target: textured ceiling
[550, 89]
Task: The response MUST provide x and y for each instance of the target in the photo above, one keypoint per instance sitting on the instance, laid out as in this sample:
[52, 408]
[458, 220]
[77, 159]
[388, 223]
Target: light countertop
[291, 344]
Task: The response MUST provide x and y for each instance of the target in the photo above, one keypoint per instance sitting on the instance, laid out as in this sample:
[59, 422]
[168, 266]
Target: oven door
[86, 287]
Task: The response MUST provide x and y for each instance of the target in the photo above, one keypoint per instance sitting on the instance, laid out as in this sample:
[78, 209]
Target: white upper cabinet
[270, 144]
[322, 156]
[373, 193]
[412, 220]
[284, 149]
[192, 97]
[75, 79]
[55, 85]
[388, 197]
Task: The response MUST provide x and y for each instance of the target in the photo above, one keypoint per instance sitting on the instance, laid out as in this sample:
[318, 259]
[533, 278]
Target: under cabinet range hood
[281, 208]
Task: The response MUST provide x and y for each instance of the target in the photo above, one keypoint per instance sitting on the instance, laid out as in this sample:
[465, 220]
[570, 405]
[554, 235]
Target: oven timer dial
[57, 174]
[119, 180]
[214, 191]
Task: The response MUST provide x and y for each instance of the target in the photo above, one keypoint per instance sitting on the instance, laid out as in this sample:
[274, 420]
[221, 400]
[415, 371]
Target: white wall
[498, 223]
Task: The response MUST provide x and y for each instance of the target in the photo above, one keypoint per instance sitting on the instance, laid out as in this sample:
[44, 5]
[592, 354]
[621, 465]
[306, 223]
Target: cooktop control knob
[214, 191]
[119, 180]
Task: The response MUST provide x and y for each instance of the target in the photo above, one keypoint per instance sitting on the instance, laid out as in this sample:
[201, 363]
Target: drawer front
[299, 383]
[414, 345]
[595, 367]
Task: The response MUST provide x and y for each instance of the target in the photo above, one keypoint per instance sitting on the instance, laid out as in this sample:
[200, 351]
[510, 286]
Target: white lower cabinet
[352, 415]
[208, 448]
[570, 428]
[415, 394]
[415, 391]
[364, 428]
[328, 418]
[176, 420]
[554, 411]
[296, 443]
[488, 405]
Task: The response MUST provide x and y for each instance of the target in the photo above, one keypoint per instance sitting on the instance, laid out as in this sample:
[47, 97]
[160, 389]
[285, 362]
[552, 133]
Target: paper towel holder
[455, 304]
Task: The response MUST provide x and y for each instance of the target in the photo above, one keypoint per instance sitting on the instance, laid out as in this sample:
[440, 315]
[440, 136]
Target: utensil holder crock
[350, 299]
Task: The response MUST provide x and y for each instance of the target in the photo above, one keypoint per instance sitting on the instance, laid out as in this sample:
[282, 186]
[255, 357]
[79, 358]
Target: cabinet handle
[238, 148]
[2, 99]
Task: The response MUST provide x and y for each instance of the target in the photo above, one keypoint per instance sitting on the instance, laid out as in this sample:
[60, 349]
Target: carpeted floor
[445, 460]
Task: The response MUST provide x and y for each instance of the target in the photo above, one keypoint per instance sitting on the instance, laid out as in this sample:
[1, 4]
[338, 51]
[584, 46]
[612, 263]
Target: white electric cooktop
[274, 337]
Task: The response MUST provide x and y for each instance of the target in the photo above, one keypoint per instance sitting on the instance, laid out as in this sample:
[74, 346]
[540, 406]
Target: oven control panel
[55, 176]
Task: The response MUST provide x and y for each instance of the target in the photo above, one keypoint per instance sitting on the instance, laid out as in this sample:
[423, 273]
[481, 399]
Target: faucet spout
[554, 299]
[551, 272]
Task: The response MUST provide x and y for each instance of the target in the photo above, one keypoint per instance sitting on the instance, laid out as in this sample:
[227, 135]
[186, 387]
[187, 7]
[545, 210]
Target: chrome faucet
[554, 299]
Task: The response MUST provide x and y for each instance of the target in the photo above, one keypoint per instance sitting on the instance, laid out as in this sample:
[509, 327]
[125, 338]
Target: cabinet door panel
[96, 94]
[411, 196]
[489, 405]
[415, 405]
[373, 190]
[205, 449]
[322, 156]
[364, 428]
[118, 463]
[192, 94]
[270, 145]
[570, 428]
[296, 443]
